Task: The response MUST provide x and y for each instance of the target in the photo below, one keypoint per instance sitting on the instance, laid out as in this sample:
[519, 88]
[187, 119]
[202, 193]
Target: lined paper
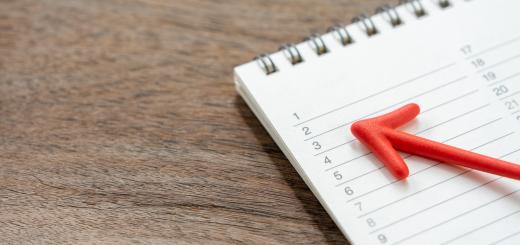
[461, 65]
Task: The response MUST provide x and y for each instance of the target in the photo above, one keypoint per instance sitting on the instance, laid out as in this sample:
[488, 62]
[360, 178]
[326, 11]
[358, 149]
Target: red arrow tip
[373, 134]
[379, 135]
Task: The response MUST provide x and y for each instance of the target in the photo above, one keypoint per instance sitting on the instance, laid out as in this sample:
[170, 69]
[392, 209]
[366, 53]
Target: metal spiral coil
[367, 24]
[292, 53]
[266, 63]
[444, 3]
[317, 43]
[390, 14]
[416, 5]
[342, 35]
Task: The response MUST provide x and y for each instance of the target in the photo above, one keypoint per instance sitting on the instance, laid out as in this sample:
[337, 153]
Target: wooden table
[119, 122]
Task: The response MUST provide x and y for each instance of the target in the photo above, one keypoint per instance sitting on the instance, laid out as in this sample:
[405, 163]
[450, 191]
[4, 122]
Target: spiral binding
[292, 53]
[368, 25]
[341, 33]
[417, 7]
[317, 44]
[391, 14]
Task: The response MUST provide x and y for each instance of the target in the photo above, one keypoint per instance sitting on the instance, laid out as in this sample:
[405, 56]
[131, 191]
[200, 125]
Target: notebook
[459, 60]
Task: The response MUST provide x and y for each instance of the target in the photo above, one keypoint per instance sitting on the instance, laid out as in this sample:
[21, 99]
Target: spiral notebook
[459, 60]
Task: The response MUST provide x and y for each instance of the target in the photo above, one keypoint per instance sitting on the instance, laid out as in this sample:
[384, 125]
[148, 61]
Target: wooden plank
[119, 122]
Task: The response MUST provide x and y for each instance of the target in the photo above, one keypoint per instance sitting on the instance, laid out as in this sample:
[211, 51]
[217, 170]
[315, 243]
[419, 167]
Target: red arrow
[381, 137]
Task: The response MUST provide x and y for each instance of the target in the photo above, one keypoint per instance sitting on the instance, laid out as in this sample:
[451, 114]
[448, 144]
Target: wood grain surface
[119, 123]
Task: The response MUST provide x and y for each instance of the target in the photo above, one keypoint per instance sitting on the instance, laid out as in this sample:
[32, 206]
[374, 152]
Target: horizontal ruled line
[434, 185]
[423, 112]
[499, 63]
[451, 101]
[335, 147]
[365, 174]
[455, 217]
[422, 131]
[511, 95]
[505, 238]
[349, 161]
[413, 194]
[481, 227]
[432, 206]
[493, 47]
[455, 118]
[510, 153]
[376, 94]
[404, 158]
[505, 79]
[474, 129]
[444, 201]
[388, 107]
[409, 216]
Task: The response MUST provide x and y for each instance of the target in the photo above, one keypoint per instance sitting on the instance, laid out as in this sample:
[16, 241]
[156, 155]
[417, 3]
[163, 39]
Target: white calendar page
[461, 64]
